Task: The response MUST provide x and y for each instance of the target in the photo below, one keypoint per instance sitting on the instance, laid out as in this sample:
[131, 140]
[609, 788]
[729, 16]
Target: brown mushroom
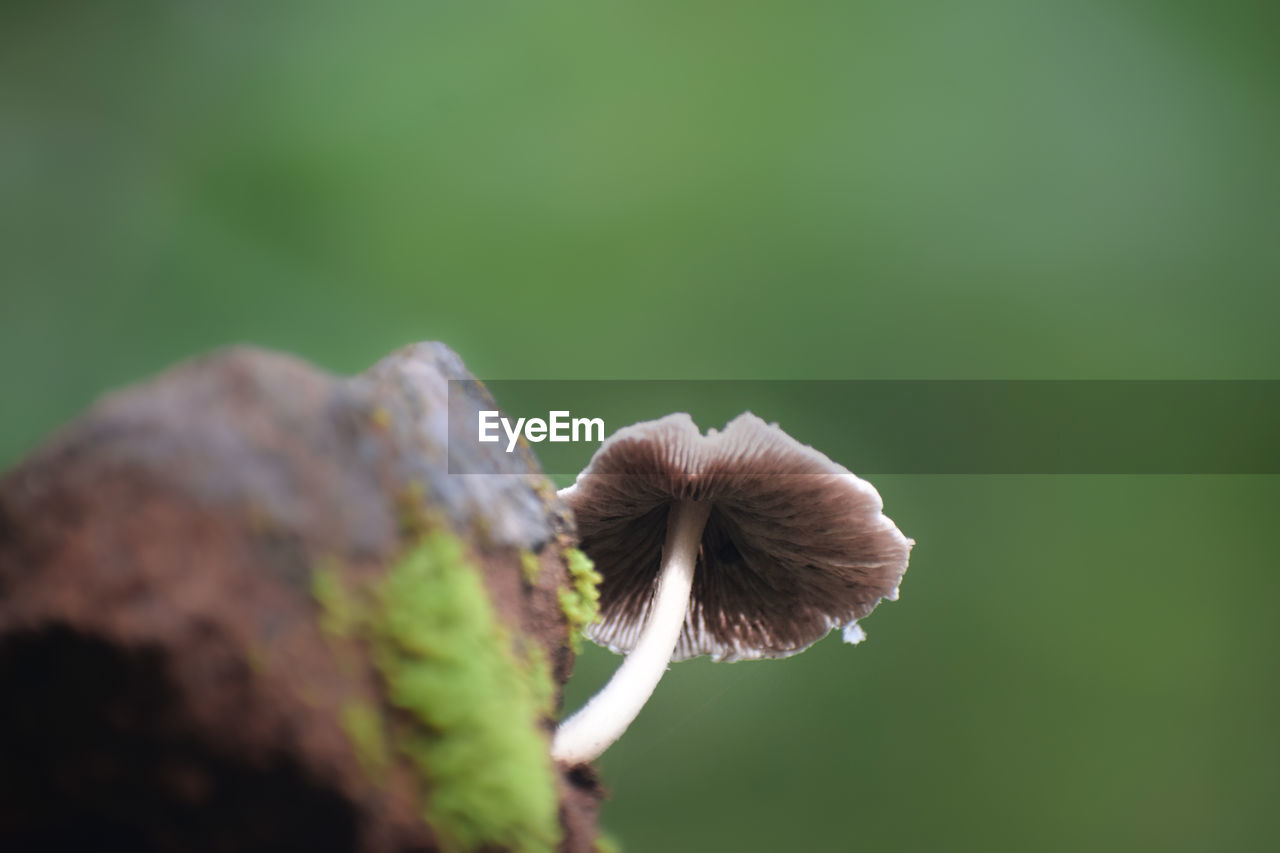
[742, 544]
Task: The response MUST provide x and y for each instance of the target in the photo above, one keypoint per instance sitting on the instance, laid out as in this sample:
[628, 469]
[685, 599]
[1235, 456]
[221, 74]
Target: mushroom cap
[795, 544]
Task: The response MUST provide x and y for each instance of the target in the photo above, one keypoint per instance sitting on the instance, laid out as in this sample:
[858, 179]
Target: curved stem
[588, 733]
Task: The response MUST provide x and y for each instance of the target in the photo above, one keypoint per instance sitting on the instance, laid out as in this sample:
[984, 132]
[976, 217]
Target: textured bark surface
[168, 683]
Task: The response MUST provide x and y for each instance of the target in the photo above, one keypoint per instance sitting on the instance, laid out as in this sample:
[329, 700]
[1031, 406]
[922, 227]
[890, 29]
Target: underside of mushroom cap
[795, 545]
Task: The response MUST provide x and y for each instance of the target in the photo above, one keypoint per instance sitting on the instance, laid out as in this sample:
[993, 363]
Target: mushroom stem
[588, 733]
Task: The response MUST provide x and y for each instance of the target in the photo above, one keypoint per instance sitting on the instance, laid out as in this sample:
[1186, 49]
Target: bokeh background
[752, 191]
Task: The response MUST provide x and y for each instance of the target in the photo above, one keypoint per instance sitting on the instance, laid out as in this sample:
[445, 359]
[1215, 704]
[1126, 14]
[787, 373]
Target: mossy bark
[318, 637]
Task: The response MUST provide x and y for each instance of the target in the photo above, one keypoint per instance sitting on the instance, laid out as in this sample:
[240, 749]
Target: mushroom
[742, 544]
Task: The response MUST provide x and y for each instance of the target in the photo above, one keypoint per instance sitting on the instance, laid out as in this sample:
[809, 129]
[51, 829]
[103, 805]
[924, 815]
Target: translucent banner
[907, 427]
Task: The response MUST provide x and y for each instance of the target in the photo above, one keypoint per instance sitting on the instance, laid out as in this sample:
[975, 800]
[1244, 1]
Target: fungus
[742, 544]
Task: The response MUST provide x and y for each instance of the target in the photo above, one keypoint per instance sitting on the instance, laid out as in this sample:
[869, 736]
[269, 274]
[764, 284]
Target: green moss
[539, 669]
[364, 725]
[581, 600]
[472, 707]
[411, 511]
[447, 661]
[530, 566]
[338, 614]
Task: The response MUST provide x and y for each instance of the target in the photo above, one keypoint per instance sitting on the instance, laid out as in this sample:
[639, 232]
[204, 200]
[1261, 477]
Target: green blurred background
[753, 191]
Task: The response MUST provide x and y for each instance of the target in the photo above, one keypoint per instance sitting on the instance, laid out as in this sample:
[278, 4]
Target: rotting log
[246, 606]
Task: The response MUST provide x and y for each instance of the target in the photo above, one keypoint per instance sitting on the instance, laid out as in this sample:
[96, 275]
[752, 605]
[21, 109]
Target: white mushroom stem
[588, 733]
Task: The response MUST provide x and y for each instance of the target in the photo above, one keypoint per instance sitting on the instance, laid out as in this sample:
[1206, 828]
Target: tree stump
[246, 606]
